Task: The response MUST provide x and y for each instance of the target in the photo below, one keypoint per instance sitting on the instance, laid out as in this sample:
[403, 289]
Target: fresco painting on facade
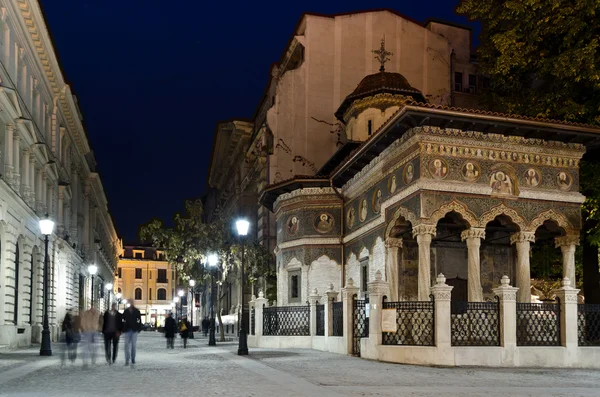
[392, 186]
[471, 171]
[362, 210]
[292, 226]
[324, 223]
[438, 168]
[408, 174]
[532, 177]
[376, 204]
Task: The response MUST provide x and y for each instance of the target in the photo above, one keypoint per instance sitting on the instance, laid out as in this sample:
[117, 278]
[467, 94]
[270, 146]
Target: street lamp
[242, 226]
[180, 293]
[92, 269]
[192, 307]
[213, 260]
[46, 227]
[109, 288]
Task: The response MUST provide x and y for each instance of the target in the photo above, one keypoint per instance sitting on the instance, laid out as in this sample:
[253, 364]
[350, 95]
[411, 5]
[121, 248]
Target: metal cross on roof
[382, 55]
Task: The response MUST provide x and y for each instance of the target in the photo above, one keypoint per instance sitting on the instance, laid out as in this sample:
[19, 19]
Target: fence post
[568, 313]
[329, 297]
[441, 293]
[259, 303]
[348, 293]
[313, 299]
[508, 317]
[251, 305]
[377, 289]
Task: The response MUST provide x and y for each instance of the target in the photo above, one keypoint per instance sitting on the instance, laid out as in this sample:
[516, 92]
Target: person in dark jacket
[112, 326]
[132, 325]
[170, 330]
[184, 330]
[71, 345]
[205, 325]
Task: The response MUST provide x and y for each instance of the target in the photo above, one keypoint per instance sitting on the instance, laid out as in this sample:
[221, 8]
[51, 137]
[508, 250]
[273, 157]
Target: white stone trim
[309, 191]
[310, 241]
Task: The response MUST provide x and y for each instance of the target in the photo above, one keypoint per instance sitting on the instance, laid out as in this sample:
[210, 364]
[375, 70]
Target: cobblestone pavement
[209, 371]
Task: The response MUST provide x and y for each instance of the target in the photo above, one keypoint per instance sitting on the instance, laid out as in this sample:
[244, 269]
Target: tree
[542, 57]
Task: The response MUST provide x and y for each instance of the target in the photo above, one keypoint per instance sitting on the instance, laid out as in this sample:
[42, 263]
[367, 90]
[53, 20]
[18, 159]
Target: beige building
[145, 278]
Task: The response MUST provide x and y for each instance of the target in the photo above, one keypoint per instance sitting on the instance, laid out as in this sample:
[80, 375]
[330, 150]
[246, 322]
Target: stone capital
[313, 298]
[378, 286]
[568, 240]
[441, 291]
[391, 242]
[522, 237]
[566, 293]
[474, 232]
[424, 229]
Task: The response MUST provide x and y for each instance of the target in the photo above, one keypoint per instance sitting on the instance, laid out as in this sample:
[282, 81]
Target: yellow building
[145, 278]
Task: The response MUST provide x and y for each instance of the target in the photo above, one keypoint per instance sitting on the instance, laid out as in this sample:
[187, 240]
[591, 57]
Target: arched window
[161, 294]
[138, 294]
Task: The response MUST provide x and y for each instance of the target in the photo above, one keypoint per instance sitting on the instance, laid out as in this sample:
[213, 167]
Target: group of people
[111, 324]
[171, 330]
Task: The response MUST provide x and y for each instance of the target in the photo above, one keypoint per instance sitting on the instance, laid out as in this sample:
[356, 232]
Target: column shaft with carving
[17, 161]
[9, 162]
[392, 276]
[424, 234]
[523, 241]
[61, 221]
[473, 237]
[44, 192]
[25, 176]
[568, 244]
[32, 193]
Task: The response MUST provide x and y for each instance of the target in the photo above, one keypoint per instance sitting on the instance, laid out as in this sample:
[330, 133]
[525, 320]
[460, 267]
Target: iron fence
[538, 324]
[286, 321]
[415, 323]
[252, 321]
[361, 324]
[338, 318]
[320, 320]
[588, 325]
[475, 323]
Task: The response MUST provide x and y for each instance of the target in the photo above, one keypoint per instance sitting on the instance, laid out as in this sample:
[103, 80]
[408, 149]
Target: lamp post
[92, 269]
[180, 293]
[109, 288]
[212, 262]
[176, 301]
[242, 226]
[46, 227]
[118, 296]
[192, 307]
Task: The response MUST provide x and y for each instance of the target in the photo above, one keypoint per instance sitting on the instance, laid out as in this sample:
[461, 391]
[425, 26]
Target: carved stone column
[16, 161]
[61, 221]
[86, 218]
[568, 245]
[473, 236]
[74, 203]
[44, 192]
[25, 176]
[9, 162]
[39, 192]
[523, 242]
[32, 192]
[392, 275]
[424, 233]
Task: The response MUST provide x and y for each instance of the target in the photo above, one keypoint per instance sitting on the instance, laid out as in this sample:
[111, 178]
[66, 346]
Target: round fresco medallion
[324, 222]
[292, 225]
[501, 183]
[376, 205]
[532, 177]
[362, 210]
[470, 171]
[409, 173]
[564, 180]
[350, 217]
[392, 185]
[438, 168]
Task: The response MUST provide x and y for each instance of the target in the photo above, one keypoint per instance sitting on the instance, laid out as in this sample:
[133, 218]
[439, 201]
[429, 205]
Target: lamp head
[242, 226]
[93, 269]
[180, 293]
[192, 283]
[108, 286]
[176, 299]
[46, 225]
[118, 295]
[213, 260]
[124, 301]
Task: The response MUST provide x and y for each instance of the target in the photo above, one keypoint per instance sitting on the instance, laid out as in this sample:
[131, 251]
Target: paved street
[206, 371]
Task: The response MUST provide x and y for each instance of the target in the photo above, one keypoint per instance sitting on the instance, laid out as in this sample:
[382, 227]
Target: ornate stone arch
[502, 210]
[457, 207]
[550, 215]
[400, 212]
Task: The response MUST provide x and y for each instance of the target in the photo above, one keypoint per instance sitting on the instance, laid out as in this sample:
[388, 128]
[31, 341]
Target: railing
[475, 323]
[415, 323]
[338, 318]
[320, 320]
[286, 321]
[538, 324]
[252, 321]
[588, 325]
[361, 324]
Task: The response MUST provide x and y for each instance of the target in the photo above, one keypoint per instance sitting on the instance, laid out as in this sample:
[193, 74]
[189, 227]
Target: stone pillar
[39, 193]
[61, 221]
[50, 201]
[74, 204]
[424, 234]
[568, 314]
[329, 297]
[16, 161]
[86, 218]
[508, 315]
[568, 245]
[348, 293]
[523, 242]
[44, 192]
[473, 236]
[441, 293]
[313, 299]
[32, 194]
[260, 303]
[392, 276]
[9, 162]
[25, 176]
[377, 289]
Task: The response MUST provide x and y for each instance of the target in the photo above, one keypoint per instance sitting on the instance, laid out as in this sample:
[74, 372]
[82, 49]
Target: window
[138, 255]
[472, 84]
[119, 272]
[138, 294]
[364, 274]
[162, 276]
[457, 81]
[294, 286]
[161, 294]
[369, 127]
[150, 294]
[138, 273]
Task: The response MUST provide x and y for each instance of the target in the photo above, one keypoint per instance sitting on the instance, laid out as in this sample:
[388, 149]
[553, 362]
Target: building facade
[147, 280]
[46, 167]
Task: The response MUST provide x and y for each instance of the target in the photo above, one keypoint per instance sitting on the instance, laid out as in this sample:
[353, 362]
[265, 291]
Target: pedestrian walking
[205, 325]
[132, 325]
[70, 350]
[184, 330]
[170, 330]
[112, 326]
[89, 326]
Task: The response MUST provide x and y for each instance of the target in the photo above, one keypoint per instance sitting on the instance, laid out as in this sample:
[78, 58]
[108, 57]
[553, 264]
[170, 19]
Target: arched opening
[161, 294]
[546, 260]
[449, 254]
[402, 269]
[497, 254]
[138, 294]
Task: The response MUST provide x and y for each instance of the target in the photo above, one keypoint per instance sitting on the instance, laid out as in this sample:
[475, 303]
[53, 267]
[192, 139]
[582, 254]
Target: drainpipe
[343, 283]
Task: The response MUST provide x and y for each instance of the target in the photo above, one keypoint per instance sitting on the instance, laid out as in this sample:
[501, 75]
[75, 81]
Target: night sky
[154, 77]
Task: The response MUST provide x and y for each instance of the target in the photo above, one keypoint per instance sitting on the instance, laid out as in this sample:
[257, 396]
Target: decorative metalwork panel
[286, 321]
[415, 322]
[475, 323]
[252, 321]
[360, 328]
[321, 320]
[338, 318]
[588, 325]
[538, 324]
